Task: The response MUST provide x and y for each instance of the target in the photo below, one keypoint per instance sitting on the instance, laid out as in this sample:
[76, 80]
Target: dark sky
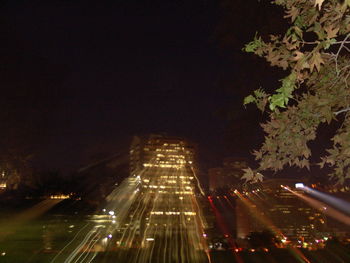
[79, 78]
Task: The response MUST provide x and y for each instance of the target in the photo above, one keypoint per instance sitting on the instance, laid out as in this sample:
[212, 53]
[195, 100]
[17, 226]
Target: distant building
[227, 176]
[236, 164]
[9, 180]
[222, 180]
[216, 176]
[271, 206]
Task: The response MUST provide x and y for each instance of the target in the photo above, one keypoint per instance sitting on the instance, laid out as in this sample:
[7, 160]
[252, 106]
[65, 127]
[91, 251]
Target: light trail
[331, 200]
[269, 224]
[66, 246]
[198, 184]
[201, 225]
[259, 215]
[77, 252]
[154, 217]
[326, 209]
[229, 203]
[96, 238]
[224, 229]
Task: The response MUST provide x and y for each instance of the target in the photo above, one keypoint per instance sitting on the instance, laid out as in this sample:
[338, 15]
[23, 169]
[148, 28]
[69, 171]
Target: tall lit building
[161, 153]
[166, 214]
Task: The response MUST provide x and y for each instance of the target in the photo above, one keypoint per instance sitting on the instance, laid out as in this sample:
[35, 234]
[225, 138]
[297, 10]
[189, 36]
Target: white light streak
[299, 185]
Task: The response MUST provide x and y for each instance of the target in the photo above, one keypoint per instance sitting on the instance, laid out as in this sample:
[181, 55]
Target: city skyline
[163, 131]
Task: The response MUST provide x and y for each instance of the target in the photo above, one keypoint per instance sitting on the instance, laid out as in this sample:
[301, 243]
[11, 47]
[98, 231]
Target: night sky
[80, 78]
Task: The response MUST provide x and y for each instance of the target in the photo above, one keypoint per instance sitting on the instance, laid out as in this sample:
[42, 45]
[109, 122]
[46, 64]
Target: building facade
[166, 211]
[275, 205]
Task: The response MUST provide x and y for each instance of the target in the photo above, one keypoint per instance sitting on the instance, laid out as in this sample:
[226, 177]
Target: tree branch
[346, 80]
[337, 55]
[318, 42]
[340, 111]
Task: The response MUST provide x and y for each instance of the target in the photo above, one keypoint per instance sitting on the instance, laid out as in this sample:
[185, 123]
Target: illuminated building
[160, 152]
[165, 212]
[294, 218]
[167, 172]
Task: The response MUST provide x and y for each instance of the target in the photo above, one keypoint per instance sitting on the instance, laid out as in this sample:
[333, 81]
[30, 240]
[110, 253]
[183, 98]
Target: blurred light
[111, 213]
[150, 239]
[299, 185]
[109, 236]
[61, 197]
[3, 253]
[336, 202]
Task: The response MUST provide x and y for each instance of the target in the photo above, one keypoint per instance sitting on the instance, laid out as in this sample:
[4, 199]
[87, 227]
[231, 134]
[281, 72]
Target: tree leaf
[249, 99]
[248, 174]
[297, 55]
[292, 13]
[252, 46]
[316, 61]
[332, 31]
[318, 4]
